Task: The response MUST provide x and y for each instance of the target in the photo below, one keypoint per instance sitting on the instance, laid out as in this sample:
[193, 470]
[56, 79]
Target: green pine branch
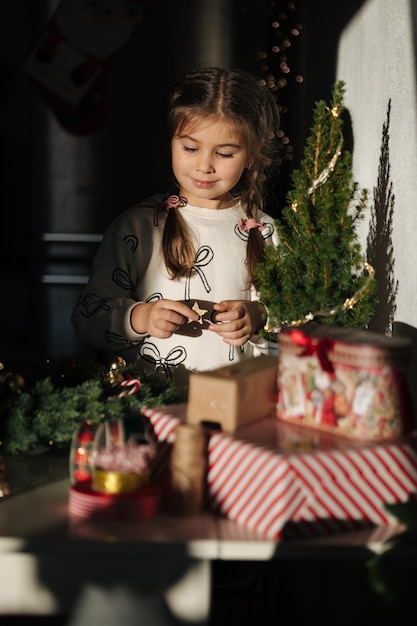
[47, 408]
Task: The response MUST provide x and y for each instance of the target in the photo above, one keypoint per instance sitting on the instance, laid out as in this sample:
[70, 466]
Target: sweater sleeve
[101, 315]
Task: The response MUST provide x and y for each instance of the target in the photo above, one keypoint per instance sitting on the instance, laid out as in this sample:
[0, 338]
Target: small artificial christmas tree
[317, 271]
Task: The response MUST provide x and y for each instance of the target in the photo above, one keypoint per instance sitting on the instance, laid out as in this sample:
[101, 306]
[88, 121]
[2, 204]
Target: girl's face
[208, 159]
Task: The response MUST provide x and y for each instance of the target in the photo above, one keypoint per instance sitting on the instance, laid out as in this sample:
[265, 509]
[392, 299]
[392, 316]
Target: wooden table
[52, 563]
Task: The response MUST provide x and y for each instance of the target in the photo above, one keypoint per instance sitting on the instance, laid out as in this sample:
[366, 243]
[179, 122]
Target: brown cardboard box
[233, 395]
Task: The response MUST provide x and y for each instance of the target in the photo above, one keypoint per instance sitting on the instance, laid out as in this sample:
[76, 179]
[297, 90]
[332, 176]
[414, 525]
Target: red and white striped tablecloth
[273, 475]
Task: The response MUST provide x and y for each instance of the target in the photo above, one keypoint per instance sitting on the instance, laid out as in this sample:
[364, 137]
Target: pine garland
[317, 270]
[49, 401]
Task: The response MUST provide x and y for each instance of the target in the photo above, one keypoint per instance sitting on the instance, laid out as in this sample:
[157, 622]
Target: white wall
[376, 59]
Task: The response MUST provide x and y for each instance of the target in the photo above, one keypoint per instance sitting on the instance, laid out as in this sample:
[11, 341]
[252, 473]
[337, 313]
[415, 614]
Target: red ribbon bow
[320, 349]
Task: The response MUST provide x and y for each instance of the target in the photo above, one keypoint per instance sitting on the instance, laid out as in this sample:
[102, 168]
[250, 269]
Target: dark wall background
[59, 190]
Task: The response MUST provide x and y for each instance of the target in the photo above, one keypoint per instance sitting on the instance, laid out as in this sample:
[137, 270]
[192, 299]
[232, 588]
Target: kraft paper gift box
[351, 382]
[231, 396]
[280, 479]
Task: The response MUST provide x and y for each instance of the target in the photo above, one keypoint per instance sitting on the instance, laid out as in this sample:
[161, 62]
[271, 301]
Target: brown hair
[250, 107]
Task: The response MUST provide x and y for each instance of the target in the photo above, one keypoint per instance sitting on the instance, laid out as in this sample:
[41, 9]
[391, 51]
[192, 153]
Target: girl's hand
[160, 318]
[237, 320]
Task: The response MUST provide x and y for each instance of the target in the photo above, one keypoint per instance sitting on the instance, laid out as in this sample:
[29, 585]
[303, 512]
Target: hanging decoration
[71, 59]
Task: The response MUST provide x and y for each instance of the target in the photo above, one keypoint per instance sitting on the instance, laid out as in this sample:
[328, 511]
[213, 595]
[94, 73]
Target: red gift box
[273, 476]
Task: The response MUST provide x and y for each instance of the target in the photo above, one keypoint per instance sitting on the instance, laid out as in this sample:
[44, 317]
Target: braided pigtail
[264, 153]
[255, 247]
[255, 252]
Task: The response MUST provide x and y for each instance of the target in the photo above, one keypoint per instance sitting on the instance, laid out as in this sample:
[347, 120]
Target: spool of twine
[189, 469]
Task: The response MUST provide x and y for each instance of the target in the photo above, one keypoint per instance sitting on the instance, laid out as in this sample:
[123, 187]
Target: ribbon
[320, 348]
[174, 202]
[151, 354]
[203, 257]
[327, 170]
[122, 279]
[93, 303]
[249, 223]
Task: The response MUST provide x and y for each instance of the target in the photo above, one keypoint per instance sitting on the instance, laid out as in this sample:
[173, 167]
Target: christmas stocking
[70, 62]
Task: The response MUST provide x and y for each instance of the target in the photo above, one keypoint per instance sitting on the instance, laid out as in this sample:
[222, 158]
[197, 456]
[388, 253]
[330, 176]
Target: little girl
[172, 283]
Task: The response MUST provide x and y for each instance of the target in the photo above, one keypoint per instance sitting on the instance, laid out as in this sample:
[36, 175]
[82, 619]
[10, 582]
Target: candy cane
[132, 384]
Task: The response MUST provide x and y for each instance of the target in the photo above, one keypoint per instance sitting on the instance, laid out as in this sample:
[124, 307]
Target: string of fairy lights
[276, 61]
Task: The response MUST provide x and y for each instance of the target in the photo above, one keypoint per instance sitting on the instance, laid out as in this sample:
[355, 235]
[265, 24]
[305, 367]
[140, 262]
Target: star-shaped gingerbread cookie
[199, 311]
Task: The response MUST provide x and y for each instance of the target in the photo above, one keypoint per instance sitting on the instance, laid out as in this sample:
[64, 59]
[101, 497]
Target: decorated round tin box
[351, 382]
